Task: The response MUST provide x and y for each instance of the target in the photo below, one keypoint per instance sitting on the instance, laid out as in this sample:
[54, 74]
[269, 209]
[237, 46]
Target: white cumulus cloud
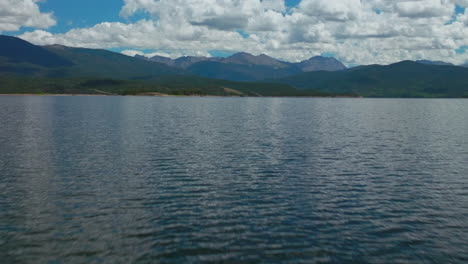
[425, 8]
[335, 10]
[15, 14]
[355, 31]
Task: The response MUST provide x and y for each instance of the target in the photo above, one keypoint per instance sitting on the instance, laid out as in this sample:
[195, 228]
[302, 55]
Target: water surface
[237, 180]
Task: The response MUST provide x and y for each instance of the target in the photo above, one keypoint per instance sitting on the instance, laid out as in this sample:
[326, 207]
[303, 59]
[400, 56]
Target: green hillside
[404, 79]
[16, 51]
[21, 57]
[239, 72]
[104, 63]
[171, 85]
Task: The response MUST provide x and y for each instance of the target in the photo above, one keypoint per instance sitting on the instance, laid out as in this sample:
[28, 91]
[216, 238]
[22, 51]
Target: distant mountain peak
[404, 62]
[181, 62]
[159, 56]
[321, 63]
[162, 59]
[245, 58]
[242, 57]
[241, 54]
[187, 61]
[322, 58]
[56, 46]
[316, 63]
[141, 57]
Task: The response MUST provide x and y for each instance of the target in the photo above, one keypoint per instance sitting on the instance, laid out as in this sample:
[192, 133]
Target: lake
[92, 179]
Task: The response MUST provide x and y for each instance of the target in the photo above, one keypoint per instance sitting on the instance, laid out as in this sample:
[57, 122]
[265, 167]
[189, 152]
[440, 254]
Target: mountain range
[243, 66]
[317, 63]
[28, 68]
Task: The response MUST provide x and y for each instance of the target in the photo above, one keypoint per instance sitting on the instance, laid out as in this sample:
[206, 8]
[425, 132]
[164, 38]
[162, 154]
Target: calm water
[237, 180]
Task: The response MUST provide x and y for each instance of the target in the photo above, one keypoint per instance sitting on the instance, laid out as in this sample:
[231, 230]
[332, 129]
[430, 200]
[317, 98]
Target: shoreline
[221, 96]
[170, 95]
[54, 95]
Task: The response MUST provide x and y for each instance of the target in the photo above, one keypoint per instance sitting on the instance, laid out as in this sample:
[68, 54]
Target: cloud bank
[15, 14]
[355, 31]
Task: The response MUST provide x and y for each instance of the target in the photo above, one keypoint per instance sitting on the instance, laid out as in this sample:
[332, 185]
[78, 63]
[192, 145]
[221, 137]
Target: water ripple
[235, 180]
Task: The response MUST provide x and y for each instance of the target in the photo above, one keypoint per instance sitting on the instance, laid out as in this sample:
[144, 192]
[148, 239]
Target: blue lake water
[236, 180]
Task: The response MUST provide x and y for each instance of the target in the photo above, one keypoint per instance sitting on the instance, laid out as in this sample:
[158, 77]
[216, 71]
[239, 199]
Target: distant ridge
[244, 58]
[17, 50]
[317, 63]
[100, 62]
[399, 80]
[429, 62]
[187, 61]
[159, 59]
[244, 66]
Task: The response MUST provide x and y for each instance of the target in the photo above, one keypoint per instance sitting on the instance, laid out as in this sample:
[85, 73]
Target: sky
[357, 32]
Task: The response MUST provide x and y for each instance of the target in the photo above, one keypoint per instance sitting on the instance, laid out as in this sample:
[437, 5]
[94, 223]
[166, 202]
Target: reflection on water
[142, 179]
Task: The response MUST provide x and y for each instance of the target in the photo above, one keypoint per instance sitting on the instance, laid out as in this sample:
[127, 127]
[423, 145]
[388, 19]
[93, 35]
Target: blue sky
[71, 14]
[81, 13]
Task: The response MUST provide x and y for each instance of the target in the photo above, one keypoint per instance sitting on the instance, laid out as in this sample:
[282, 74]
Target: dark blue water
[236, 180]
